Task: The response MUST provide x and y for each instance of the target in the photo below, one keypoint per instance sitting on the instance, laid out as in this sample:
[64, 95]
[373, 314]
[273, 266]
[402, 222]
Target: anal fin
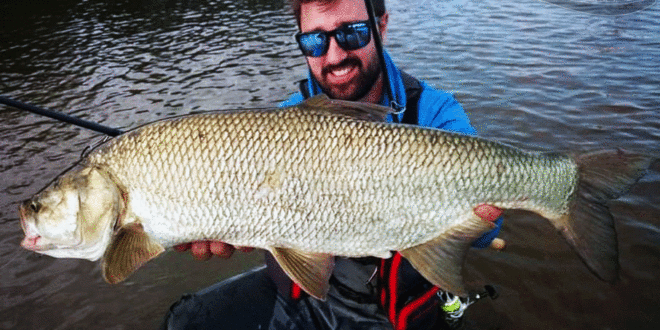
[441, 260]
[311, 271]
[130, 248]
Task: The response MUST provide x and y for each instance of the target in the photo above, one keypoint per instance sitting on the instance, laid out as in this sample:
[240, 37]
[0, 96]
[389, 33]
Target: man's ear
[383, 26]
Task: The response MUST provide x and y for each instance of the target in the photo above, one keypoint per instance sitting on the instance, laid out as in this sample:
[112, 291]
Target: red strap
[296, 292]
[402, 321]
[392, 286]
[381, 274]
[389, 294]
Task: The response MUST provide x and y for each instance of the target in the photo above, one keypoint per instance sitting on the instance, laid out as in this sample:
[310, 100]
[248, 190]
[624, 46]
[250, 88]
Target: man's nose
[335, 53]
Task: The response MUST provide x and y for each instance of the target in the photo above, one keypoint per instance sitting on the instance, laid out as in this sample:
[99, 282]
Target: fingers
[204, 250]
[201, 250]
[182, 247]
[491, 213]
[487, 212]
[220, 249]
[498, 244]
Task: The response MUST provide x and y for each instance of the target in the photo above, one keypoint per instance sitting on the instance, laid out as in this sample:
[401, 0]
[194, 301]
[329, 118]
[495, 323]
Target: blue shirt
[437, 109]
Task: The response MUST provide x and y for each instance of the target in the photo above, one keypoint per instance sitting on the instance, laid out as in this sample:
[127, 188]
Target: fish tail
[588, 226]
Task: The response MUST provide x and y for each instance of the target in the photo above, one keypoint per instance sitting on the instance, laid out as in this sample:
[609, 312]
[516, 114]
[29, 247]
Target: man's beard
[365, 80]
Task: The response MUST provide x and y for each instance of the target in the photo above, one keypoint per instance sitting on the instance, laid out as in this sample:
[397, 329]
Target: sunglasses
[350, 36]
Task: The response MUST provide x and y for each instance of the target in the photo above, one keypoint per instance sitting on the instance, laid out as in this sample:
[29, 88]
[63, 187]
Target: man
[366, 293]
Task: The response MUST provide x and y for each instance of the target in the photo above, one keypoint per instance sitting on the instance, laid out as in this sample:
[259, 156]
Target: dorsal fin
[357, 110]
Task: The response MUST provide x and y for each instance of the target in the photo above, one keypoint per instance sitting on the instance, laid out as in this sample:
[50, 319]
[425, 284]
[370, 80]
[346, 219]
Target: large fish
[307, 183]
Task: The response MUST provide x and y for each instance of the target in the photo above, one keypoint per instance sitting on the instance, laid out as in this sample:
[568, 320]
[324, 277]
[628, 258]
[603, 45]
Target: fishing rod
[375, 31]
[61, 117]
[115, 132]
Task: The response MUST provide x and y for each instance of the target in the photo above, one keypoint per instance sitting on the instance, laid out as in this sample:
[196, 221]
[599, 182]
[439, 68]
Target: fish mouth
[31, 243]
[31, 240]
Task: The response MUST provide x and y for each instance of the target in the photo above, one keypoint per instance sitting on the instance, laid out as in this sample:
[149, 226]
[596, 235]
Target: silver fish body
[313, 181]
[298, 180]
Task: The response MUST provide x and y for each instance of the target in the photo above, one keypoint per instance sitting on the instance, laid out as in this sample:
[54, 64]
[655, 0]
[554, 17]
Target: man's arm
[440, 109]
[295, 98]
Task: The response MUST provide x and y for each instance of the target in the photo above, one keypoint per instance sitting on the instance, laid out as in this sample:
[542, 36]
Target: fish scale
[322, 179]
[330, 201]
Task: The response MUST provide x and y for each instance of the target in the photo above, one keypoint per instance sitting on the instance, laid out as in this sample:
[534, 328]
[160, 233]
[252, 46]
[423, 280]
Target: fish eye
[34, 206]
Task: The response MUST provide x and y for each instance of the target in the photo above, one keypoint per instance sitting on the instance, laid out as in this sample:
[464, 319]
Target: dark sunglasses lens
[354, 36]
[350, 37]
[313, 44]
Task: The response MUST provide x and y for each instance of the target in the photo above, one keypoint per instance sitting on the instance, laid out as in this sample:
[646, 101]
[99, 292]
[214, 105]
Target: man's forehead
[330, 14]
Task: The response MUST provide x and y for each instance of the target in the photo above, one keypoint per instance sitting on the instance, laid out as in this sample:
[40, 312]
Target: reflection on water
[604, 7]
[531, 74]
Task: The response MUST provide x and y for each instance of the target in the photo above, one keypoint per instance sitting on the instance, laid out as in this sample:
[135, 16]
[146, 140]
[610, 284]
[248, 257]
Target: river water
[530, 73]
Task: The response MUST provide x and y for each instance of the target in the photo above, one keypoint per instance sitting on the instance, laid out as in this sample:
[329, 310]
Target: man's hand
[491, 213]
[204, 250]
[487, 212]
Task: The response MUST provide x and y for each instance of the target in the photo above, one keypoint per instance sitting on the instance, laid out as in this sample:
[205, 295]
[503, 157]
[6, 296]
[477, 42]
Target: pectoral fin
[441, 260]
[130, 248]
[311, 271]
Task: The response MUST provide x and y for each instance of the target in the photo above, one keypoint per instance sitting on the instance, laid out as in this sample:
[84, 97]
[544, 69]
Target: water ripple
[531, 74]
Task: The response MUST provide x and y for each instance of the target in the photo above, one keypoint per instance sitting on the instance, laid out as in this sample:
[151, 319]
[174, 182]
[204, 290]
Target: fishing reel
[455, 306]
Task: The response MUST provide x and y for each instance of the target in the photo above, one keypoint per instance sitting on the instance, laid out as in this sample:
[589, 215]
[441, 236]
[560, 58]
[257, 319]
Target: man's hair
[379, 6]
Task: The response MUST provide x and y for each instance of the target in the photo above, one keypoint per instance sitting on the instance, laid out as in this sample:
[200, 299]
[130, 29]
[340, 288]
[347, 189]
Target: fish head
[72, 218]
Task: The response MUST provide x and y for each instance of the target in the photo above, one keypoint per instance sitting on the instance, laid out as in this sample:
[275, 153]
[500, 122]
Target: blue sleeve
[454, 118]
[294, 99]
[485, 239]
[440, 109]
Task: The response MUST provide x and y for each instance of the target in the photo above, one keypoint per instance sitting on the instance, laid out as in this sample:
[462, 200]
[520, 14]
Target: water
[531, 74]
